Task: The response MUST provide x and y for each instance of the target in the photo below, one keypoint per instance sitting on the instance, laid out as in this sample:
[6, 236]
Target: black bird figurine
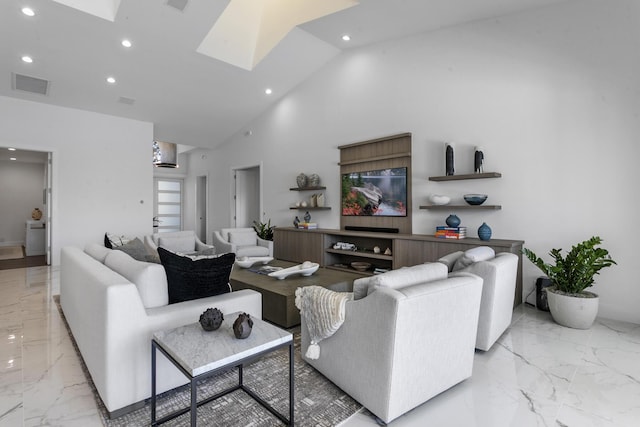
[478, 160]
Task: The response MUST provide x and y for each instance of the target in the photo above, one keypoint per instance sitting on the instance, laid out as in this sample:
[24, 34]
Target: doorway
[247, 196]
[201, 219]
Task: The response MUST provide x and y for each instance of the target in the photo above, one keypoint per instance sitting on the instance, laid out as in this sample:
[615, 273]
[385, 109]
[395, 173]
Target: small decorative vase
[449, 169]
[242, 326]
[307, 216]
[484, 232]
[211, 319]
[36, 214]
[296, 222]
[314, 200]
[320, 200]
[313, 180]
[301, 180]
[453, 220]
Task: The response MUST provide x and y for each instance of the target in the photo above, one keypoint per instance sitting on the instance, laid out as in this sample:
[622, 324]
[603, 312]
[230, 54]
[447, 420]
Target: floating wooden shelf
[320, 187]
[462, 207]
[311, 208]
[466, 176]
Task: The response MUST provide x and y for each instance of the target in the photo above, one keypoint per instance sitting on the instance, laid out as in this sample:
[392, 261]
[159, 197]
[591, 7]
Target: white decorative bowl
[246, 262]
[437, 199]
[306, 269]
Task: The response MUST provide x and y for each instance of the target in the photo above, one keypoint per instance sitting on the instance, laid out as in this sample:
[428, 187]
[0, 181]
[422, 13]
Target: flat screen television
[381, 192]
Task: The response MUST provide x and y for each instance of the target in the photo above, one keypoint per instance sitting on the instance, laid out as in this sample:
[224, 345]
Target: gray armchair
[243, 242]
[400, 346]
[498, 291]
[177, 241]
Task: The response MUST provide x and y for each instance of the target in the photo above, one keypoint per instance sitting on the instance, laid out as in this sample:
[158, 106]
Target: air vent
[178, 4]
[125, 100]
[30, 84]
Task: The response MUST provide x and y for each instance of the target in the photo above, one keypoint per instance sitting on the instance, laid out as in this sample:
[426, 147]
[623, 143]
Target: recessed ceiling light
[12, 149]
[126, 43]
[111, 80]
[28, 11]
[12, 158]
[268, 91]
[346, 37]
[27, 59]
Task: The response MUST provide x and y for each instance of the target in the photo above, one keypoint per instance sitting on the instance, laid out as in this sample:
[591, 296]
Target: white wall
[102, 171]
[21, 190]
[551, 95]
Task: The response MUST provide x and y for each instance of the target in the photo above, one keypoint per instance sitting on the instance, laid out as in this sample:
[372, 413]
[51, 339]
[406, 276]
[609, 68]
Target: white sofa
[177, 241]
[408, 336]
[499, 272]
[244, 242]
[106, 312]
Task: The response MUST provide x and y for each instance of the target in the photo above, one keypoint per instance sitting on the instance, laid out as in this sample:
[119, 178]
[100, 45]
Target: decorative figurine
[449, 159]
[211, 319]
[478, 160]
[307, 216]
[296, 222]
[376, 249]
[242, 326]
[387, 251]
[453, 220]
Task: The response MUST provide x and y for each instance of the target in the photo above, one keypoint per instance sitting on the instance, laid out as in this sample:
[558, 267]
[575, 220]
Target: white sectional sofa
[113, 304]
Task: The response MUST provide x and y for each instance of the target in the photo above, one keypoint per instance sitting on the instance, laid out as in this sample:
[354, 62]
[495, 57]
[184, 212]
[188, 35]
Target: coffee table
[278, 296]
[199, 354]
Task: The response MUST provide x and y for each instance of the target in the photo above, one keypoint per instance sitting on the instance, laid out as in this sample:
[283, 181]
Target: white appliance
[35, 238]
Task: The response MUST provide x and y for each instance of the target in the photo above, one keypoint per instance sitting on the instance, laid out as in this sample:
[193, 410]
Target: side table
[199, 354]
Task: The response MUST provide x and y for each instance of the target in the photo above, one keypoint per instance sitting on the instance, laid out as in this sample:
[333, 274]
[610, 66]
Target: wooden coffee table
[278, 296]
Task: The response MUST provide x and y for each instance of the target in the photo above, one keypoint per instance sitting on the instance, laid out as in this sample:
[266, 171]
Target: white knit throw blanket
[323, 313]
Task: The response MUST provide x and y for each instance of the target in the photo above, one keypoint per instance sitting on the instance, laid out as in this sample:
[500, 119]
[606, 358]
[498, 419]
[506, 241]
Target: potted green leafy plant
[569, 303]
[264, 230]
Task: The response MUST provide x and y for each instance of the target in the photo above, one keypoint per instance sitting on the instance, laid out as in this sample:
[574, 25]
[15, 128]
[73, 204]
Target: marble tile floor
[537, 374]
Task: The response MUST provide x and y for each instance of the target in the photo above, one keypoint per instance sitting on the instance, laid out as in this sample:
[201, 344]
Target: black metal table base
[193, 381]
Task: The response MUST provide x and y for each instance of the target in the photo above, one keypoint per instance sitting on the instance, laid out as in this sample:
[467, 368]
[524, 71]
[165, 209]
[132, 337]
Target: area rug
[11, 252]
[318, 402]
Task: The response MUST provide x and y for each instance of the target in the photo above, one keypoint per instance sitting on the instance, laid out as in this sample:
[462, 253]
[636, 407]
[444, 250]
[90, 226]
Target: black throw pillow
[107, 242]
[196, 277]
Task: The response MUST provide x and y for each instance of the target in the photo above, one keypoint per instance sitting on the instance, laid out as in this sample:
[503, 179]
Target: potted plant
[264, 230]
[569, 303]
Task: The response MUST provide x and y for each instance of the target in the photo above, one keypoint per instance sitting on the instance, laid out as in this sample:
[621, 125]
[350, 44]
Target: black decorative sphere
[242, 326]
[211, 319]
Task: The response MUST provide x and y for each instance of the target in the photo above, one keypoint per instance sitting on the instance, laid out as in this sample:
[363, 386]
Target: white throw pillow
[178, 244]
[473, 255]
[243, 238]
[401, 278]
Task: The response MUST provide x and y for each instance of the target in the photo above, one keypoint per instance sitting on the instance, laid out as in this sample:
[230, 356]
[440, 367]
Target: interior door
[201, 207]
[247, 196]
[48, 205]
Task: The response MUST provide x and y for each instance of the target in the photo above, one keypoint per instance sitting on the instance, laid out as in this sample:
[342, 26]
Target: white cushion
[178, 243]
[396, 279]
[224, 232]
[471, 256]
[251, 250]
[243, 238]
[149, 278]
[97, 252]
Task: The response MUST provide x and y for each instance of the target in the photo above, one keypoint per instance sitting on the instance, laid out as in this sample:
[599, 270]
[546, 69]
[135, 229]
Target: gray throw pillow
[135, 249]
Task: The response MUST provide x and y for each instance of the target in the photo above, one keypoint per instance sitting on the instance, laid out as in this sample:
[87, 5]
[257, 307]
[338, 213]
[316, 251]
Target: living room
[550, 94]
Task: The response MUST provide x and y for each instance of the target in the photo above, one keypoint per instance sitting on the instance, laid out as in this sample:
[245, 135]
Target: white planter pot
[572, 312]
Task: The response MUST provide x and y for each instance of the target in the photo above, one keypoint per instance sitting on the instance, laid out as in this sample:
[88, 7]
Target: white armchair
[177, 241]
[242, 241]
[400, 346]
[498, 272]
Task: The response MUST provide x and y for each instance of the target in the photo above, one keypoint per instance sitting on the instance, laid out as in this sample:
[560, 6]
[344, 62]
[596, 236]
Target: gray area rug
[318, 402]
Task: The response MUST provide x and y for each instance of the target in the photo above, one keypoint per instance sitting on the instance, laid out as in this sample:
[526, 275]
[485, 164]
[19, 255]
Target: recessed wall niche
[391, 152]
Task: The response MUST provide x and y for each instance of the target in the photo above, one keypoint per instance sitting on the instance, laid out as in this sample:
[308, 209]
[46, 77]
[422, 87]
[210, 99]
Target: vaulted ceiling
[172, 76]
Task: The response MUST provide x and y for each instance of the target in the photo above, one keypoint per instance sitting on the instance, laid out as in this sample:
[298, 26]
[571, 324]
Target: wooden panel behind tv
[382, 153]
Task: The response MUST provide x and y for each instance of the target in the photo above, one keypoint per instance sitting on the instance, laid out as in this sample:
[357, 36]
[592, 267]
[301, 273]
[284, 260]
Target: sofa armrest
[267, 244]
[222, 246]
[150, 244]
[203, 246]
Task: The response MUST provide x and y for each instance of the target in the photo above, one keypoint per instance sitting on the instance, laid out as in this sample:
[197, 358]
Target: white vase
[320, 200]
[572, 312]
